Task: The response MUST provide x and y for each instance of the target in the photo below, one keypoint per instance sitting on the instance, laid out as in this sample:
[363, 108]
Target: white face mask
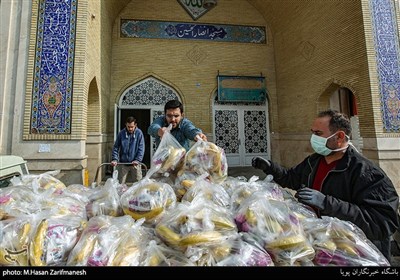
[318, 143]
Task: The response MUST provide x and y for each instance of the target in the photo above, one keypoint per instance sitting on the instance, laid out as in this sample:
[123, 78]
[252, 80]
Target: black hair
[173, 104]
[131, 119]
[338, 121]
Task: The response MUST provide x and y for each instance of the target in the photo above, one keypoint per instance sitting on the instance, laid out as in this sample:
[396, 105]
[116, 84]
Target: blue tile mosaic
[54, 65]
[192, 31]
[388, 61]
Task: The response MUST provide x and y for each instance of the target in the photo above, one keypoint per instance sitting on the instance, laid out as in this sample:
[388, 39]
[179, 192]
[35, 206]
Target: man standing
[182, 128]
[339, 182]
[129, 148]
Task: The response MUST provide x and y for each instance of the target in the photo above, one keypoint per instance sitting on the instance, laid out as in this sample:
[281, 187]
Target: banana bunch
[206, 157]
[104, 205]
[266, 223]
[14, 241]
[97, 242]
[217, 247]
[53, 240]
[168, 235]
[148, 200]
[187, 183]
[189, 229]
[169, 158]
[286, 242]
[290, 250]
[127, 254]
[159, 254]
[182, 188]
[336, 246]
[44, 181]
[341, 243]
[197, 238]
[37, 254]
[86, 247]
[239, 196]
[211, 254]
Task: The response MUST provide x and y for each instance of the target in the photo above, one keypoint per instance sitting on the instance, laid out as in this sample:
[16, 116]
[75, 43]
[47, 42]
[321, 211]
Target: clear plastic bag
[169, 156]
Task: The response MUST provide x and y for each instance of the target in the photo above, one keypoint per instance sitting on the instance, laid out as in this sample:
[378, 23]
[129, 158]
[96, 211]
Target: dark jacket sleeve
[292, 178]
[372, 205]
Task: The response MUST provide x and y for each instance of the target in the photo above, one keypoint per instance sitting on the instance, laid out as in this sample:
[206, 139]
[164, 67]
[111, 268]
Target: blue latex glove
[311, 197]
[261, 163]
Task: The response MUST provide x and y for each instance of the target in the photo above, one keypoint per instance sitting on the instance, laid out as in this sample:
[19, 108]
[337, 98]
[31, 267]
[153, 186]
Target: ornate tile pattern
[149, 91]
[255, 132]
[388, 61]
[254, 126]
[227, 131]
[192, 31]
[54, 65]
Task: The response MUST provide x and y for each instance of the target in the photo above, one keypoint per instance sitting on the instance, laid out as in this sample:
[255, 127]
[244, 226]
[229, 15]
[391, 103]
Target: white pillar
[15, 18]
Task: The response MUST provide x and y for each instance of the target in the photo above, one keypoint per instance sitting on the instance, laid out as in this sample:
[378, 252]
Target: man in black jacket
[339, 182]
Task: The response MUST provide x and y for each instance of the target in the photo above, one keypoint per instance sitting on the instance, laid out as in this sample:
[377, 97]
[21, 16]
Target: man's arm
[141, 147]
[190, 131]
[155, 126]
[374, 209]
[292, 178]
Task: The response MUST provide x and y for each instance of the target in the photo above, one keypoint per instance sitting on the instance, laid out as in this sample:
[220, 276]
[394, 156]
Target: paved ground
[248, 172]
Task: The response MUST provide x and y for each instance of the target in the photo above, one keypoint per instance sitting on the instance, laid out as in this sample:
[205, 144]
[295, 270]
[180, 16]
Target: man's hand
[114, 163]
[200, 136]
[161, 131]
[260, 163]
[135, 162]
[311, 197]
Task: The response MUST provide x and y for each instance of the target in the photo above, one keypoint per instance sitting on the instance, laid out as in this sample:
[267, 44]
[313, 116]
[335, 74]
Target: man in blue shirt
[129, 148]
[182, 128]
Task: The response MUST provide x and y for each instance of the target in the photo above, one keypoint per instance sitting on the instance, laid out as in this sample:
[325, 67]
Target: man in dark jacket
[129, 148]
[339, 182]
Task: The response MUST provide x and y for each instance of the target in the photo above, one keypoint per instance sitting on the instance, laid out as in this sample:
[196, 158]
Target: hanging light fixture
[208, 4]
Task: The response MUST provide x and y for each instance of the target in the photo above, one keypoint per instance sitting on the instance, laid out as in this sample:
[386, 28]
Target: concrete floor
[247, 171]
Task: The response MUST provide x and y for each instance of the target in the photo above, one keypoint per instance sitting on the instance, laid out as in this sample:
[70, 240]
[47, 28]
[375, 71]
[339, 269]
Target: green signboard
[241, 89]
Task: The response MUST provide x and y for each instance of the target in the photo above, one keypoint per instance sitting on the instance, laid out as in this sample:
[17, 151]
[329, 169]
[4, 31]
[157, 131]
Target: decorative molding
[196, 55]
[307, 50]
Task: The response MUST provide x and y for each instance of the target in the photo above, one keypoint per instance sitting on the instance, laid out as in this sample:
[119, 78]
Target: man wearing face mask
[339, 182]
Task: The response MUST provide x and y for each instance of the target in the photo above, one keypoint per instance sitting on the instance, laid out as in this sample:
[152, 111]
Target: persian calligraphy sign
[192, 31]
